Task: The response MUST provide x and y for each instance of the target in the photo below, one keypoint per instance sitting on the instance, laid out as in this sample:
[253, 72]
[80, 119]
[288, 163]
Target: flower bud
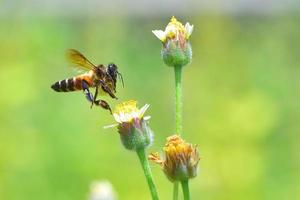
[132, 126]
[181, 159]
[176, 50]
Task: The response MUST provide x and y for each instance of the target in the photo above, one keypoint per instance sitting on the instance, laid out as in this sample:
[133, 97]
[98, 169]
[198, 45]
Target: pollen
[126, 107]
[176, 23]
[174, 28]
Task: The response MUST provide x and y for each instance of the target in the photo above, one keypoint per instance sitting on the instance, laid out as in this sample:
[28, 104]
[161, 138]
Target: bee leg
[92, 99]
[107, 89]
[95, 96]
[103, 104]
[86, 91]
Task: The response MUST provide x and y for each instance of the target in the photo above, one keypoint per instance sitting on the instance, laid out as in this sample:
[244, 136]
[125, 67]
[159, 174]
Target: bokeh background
[241, 97]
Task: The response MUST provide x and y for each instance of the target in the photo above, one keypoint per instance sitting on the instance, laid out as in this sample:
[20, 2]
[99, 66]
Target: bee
[100, 77]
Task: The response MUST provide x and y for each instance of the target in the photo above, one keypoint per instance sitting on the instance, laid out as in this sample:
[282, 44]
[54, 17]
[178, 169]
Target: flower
[102, 190]
[132, 125]
[181, 159]
[176, 48]
[128, 111]
[174, 30]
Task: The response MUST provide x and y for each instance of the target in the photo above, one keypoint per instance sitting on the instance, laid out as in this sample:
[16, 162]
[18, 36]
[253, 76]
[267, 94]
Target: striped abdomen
[72, 84]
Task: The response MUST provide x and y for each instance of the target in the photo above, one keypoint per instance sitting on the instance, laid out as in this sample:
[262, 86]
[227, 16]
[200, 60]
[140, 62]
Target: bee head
[112, 70]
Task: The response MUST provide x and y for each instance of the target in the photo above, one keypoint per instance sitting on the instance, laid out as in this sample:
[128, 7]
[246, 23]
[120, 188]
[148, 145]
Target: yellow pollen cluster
[128, 110]
[126, 107]
[174, 28]
[177, 149]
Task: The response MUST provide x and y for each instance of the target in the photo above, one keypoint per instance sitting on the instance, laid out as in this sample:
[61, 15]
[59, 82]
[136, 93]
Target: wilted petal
[180, 157]
[155, 158]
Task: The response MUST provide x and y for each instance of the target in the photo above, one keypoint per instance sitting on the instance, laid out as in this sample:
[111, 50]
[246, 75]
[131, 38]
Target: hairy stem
[147, 171]
[175, 191]
[185, 189]
[178, 113]
[178, 99]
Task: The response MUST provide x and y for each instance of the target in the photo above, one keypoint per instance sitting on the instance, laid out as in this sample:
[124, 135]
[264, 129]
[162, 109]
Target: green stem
[178, 113]
[185, 189]
[147, 171]
[178, 99]
[175, 191]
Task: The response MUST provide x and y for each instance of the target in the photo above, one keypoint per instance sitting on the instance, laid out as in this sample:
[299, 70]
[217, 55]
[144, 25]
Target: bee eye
[112, 67]
[112, 70]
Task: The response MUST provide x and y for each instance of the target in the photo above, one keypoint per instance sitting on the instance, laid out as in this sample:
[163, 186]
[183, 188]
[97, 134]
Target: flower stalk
[178, 114]
[178, 99]
[175, 191]
[147, 172]
[185, 189]
[176, 52]
[136, 135]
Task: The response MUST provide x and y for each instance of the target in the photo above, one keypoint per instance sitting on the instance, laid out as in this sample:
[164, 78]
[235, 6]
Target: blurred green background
[241, 105]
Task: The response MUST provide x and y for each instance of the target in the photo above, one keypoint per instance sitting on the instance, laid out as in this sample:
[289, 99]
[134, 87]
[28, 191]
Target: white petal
[143, 110]
[189, 29]
[171, 29]
[117, 118]
[127, 117]
[110, 126]
[122, 117]
[146, 118]
[160, 35]
[135, 114]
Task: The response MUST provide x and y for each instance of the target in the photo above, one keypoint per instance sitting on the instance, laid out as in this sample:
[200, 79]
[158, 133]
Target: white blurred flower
[102, 190]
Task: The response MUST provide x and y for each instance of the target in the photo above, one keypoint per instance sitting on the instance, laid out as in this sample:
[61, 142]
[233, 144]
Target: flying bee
[102, 78]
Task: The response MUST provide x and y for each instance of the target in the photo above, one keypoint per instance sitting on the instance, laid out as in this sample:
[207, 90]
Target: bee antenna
[121, 78]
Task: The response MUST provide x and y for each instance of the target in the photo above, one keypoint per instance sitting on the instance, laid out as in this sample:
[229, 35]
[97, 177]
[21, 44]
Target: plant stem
[185, 189]
[147, 171]
[178, 99]
[178, 113]
[175, 191]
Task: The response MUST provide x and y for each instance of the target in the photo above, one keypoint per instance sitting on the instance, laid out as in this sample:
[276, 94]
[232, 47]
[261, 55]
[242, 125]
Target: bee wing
[79, 60]
[78, 70]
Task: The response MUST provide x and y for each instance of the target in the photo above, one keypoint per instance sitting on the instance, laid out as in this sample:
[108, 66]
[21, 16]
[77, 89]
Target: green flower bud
[132, 126]
[176, 50]
[175, 55]
[136, 134]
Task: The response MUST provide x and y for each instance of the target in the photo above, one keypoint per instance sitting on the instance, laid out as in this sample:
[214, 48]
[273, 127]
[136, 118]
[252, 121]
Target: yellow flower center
[127, 111]
[176, 145]
[174, 28]
[126, 107]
